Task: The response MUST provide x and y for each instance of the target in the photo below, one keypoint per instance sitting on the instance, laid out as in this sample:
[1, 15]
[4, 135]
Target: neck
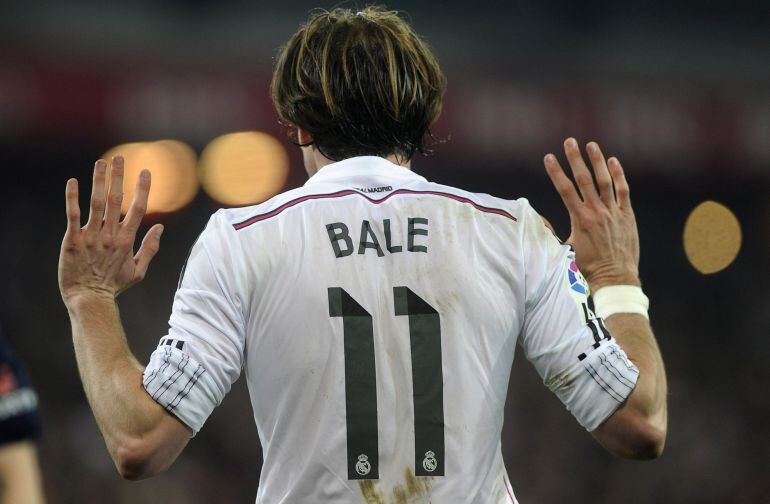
[321, 160]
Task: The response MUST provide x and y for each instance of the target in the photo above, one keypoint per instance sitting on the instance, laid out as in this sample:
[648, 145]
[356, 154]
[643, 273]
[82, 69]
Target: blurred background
[680, 93]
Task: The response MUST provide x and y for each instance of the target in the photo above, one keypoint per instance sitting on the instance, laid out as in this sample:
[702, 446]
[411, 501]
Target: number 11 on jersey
[361, 383]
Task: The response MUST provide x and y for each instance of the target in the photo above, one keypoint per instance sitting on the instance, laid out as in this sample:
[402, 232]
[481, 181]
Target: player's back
[382, 318]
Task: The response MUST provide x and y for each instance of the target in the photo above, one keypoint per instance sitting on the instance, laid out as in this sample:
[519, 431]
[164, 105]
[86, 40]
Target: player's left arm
[606, 242]
[95, 265]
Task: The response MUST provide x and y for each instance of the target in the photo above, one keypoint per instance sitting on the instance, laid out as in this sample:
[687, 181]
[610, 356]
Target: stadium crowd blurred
[681, 97]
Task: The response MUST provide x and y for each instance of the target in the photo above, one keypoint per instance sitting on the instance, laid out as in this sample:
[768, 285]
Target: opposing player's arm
[96, 264]
[606, 243]
[20, 474]
[20, 481]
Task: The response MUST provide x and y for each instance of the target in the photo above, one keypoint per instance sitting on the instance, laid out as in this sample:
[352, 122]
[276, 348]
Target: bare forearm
[112, 377]
[637, 430]
[141, 437]
[634, 334]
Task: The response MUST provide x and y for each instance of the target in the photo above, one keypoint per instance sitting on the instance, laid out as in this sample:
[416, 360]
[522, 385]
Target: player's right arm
[95, 265]
[606, 243]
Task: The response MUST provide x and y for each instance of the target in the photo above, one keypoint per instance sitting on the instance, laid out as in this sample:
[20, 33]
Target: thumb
[150, 247]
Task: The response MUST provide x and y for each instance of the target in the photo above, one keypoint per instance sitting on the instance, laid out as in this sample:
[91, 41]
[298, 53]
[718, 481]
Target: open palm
[98, 258]
[603, 226]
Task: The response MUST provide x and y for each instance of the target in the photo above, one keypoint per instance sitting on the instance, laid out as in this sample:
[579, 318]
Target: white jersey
[375, 315]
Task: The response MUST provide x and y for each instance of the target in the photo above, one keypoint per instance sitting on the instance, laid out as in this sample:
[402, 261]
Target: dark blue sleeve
[19, 418]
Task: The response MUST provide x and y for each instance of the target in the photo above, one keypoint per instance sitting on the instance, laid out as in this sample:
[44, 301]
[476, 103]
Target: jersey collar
[363, 168]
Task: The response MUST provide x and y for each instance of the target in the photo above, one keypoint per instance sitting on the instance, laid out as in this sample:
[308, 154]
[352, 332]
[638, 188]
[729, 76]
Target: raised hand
[603, 226]
[98, 259]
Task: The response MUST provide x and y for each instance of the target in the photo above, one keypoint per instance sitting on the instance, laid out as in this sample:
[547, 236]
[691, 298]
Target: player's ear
[304, 137]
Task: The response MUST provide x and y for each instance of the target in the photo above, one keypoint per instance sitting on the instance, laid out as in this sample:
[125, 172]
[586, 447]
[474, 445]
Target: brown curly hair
[361, 83]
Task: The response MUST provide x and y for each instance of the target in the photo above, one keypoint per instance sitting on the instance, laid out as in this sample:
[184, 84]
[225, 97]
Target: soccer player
[20, 481]
[375, 314]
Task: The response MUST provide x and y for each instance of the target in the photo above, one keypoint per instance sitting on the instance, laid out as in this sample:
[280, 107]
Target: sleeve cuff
[181, 385]
[602, 381]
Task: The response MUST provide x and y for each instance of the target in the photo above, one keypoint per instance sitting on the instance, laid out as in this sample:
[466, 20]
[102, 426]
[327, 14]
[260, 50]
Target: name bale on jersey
[342, 243]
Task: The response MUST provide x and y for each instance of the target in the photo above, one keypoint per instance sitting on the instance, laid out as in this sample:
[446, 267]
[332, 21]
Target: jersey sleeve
[195, 365]
[570, 347]
[19, 419]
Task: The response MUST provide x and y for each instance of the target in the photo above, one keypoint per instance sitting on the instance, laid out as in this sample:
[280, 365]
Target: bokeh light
[172, 164]
[712, 237]
[243, 168]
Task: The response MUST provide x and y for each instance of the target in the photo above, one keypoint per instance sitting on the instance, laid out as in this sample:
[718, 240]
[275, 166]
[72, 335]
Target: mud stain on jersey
[370, 493]
[560, 381]
[414, 490]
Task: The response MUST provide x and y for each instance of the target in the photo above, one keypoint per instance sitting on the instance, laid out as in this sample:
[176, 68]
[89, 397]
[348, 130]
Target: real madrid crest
[363, 467]
[429, 463]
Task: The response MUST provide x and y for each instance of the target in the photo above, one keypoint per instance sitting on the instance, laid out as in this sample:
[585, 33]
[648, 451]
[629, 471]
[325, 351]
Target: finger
[562, 183]
[139, 204]
[150, 247]
[73, 209]
[603, 179]
[115, 195]
[96, 212]
[622, 191]
[583, 178]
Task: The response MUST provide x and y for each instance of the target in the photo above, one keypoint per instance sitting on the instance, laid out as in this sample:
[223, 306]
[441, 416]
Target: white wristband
[620, 299]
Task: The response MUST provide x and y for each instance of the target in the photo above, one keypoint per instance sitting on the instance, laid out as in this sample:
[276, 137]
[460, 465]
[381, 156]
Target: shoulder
[239, 218]
[519, 208]
[531, 224]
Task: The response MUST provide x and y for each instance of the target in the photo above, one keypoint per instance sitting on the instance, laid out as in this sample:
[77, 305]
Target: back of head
[361, 83]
